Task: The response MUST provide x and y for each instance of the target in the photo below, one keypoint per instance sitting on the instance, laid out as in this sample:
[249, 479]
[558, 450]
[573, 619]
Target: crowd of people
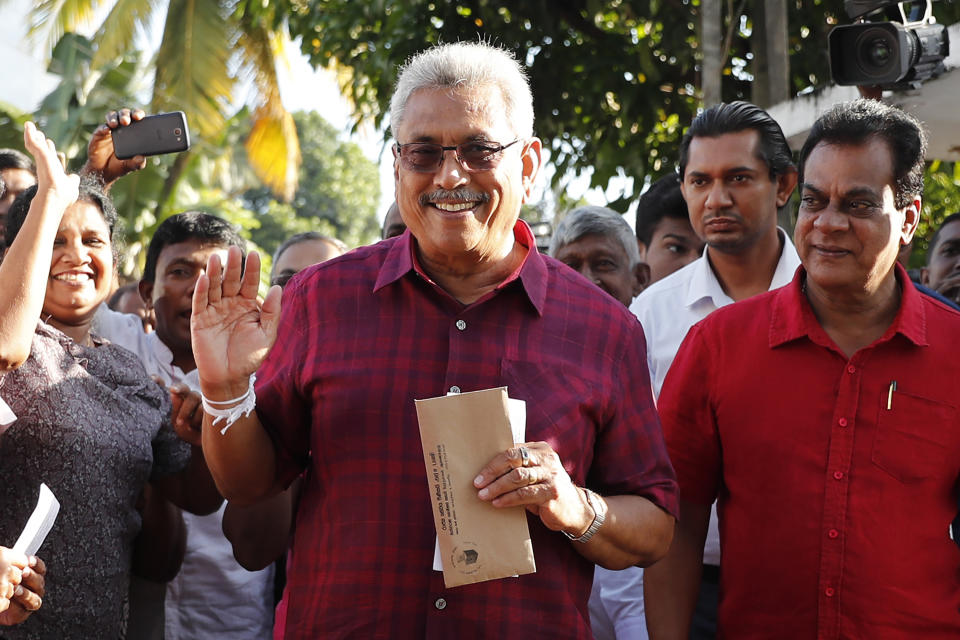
[730, 431]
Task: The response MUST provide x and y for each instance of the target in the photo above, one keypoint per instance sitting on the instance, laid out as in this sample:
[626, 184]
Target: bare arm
[232, 333]
[193, 489]
[159, 547]
[26, 265]
[670, 586]
[635, 531]
[260, 533]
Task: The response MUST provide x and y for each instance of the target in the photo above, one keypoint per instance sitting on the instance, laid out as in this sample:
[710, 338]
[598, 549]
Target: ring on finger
[524, 457]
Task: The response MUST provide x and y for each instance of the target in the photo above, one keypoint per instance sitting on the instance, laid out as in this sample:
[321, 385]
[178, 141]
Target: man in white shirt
[212, 596]
[735, 173]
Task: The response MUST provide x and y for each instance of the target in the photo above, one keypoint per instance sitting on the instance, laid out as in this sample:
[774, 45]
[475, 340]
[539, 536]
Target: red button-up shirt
[836, 478]
[361, 338]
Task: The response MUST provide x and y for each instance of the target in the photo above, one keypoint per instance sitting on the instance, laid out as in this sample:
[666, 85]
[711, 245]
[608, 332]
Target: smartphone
[152, 135]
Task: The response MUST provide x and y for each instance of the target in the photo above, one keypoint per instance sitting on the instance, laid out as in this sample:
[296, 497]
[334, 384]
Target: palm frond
[115, 37]
[192, 71]
[50, 19]
[272, 155]
[273, 148]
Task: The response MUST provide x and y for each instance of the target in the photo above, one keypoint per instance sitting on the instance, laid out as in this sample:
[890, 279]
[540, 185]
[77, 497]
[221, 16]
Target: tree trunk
[760, 89]
[778, 57]
[711, 47]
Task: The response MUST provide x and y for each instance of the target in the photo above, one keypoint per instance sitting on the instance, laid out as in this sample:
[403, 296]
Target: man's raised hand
[231, 330]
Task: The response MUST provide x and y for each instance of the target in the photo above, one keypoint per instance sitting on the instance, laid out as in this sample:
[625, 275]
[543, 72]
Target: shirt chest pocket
[916, 438]
[564, 407]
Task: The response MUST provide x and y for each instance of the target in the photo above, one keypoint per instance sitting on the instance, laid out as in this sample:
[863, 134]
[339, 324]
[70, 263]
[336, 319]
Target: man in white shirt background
[212, 596]
[736, 172]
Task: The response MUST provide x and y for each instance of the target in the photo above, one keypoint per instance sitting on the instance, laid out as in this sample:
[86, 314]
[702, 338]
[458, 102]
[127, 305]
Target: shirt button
[440, 604]
[833, 534]
[851, 368]
[842, 422]
[829, 592]
[461, 325]
[454, 389]
[838, 475]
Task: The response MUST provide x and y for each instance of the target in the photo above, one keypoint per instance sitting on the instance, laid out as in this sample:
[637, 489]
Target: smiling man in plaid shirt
[462, 301]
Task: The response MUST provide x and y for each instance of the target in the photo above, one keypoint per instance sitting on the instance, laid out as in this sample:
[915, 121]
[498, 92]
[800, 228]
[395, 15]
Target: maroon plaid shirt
[364, 335]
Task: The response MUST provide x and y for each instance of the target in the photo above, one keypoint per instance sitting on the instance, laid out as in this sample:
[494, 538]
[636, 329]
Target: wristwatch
[599, 515]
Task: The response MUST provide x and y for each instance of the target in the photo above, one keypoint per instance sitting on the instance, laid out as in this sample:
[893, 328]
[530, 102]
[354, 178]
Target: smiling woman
[90, 423]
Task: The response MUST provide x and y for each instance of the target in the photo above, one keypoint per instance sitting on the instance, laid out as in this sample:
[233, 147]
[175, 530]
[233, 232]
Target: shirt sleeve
[124, 329]
[630, 453]
[687, 412]
[283, 411]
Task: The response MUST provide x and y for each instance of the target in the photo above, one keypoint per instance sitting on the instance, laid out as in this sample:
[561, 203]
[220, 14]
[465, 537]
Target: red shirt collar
[401, 259]
[792, 317]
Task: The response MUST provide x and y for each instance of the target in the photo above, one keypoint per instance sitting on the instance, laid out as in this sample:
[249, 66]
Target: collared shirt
[212, 594]
[364, 335]
[126, 330]
[836, 477]
[669, 307]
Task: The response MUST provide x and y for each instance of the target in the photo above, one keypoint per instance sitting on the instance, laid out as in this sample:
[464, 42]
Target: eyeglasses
[426, 157]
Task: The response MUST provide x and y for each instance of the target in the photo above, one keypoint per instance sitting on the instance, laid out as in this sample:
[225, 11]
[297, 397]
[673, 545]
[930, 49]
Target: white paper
[517, 414]
[7, 416]
[39, 524]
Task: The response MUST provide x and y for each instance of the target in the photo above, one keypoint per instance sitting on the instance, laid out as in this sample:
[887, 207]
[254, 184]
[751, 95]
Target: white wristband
[246, 404]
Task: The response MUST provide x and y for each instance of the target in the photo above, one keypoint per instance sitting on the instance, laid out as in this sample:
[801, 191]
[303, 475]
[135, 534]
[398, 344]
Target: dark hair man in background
[240, 603]
[301, 250]
[17, 174]
[942, 273]
[835, 486]
[393, 224]
[666, 238]
[598, 243]
[736, 171]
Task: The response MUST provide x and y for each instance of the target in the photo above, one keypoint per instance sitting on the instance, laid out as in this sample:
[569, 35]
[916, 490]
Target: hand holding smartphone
[152, 135]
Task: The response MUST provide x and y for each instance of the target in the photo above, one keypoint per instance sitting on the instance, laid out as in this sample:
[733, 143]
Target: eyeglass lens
[474, 156]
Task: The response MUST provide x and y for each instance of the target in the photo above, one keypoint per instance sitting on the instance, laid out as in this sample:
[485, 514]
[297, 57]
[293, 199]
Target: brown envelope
[460, 434]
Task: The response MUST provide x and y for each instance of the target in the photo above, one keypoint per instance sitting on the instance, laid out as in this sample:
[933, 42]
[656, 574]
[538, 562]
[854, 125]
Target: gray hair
[595, 221]
[470, 65]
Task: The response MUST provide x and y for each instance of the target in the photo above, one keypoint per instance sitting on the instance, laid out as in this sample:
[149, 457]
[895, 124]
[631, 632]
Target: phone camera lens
[177, 132]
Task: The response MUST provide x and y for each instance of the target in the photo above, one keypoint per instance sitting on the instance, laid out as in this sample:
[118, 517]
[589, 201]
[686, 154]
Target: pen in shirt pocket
[893, 387]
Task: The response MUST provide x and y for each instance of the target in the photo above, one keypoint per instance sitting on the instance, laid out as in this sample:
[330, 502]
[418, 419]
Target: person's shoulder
[667, 287]
[743, 314]
[125, 329]
[938, 309]
[668, 291]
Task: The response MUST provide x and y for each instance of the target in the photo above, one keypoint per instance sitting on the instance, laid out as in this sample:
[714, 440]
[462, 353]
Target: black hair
[91, 190]
[191, 225]
[856, 122]
[662, 200]
[117, 296]
[13, 159]
[739, 116]
[953, 217]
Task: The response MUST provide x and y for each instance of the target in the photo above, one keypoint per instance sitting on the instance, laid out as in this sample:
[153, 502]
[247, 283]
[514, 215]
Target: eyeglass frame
[398, 152]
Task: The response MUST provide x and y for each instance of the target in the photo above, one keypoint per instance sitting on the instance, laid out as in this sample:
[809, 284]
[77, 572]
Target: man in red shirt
[823, 417]
[461, 302]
